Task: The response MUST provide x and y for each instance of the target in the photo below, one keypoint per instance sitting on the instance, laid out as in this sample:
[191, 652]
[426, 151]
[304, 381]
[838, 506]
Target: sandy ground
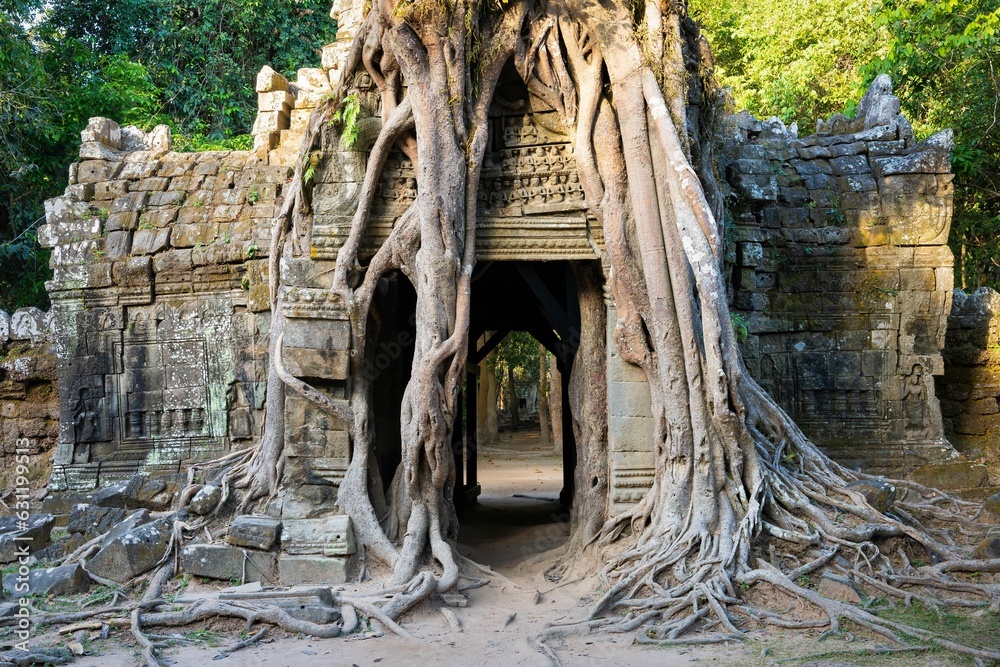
[515, 522]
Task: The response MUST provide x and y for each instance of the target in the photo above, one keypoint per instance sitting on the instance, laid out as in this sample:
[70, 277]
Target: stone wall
[29, 403]
[970, 388]
[842, 277]
[160, 304]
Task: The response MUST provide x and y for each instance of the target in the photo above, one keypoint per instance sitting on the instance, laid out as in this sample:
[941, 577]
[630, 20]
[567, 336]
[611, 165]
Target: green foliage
[517, 353]
[795, 59]
[941, 55]
[802, 60]
[345, 120]
[740, 326]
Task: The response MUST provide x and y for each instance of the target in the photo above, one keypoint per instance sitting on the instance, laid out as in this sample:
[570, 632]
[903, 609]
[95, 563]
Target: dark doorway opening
[520, 513]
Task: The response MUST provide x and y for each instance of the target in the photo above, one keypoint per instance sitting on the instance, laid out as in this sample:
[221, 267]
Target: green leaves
[345, 120]
[941, 56]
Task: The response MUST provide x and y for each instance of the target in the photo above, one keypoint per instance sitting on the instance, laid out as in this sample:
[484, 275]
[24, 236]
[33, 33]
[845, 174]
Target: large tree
[735, 478]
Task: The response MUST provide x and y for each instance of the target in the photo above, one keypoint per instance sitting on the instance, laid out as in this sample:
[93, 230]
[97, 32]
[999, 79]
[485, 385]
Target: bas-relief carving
[167, 387]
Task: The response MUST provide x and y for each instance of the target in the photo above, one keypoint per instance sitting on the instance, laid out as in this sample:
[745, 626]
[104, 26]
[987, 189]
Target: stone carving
[915, 403]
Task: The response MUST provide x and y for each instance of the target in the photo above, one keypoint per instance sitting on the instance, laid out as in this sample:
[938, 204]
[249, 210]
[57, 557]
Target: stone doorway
[522, 506]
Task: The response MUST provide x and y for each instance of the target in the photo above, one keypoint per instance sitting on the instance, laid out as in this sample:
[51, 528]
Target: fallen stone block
[27, 324]
[132, 521]
[315, 605]
[256, 532]
[15, 535]
[62, 580]
[949, 476]
[206, 500]
[220, 561]
[329, 536]
[298, 570]
[91, 520]
[129, 554]
[135, 493]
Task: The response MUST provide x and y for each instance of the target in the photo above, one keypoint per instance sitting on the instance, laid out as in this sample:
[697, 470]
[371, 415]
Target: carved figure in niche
[557, 191]
[240, 419]
[541, 162]
[85, 417]
[537, 195]
[916, 417]
[523, 193]
[409, 189]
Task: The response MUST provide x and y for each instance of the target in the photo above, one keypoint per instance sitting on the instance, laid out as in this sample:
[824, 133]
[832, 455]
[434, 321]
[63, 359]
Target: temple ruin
[835, 244]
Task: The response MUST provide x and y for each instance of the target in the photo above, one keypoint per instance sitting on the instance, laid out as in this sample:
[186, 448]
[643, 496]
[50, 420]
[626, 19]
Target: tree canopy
[802, 61]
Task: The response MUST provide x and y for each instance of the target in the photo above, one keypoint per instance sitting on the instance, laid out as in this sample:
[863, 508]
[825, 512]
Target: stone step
[951, 476]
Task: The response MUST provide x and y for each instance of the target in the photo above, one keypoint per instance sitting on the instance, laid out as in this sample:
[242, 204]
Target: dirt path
[517, 520]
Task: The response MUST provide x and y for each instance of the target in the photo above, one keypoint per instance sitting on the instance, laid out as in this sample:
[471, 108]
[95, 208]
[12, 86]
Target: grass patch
[981, 631]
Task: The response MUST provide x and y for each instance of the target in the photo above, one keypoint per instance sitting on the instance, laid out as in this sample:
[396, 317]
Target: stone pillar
[630, 428]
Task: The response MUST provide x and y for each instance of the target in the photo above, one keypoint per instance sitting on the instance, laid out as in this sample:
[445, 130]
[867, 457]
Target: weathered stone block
[256, 532]
[126, 221]
[62, 580]
[219, 561]
[879, 493]
[278, 100]
[172, 261]
[138, 170]
[28, 324]
[325, 364]
[128, 555]
[270, 121]
[133, 201]
[186, 236]
[91, 520]
[206, 499]
[149, 241]
[93, 171]
[102, 131]
[268, 81]
[330, 536]
[137, 492]
[318, 335]
[299, 570]
[17, 535]
[931, 161]
[961, 475]
[151, 184]
[315, 605]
